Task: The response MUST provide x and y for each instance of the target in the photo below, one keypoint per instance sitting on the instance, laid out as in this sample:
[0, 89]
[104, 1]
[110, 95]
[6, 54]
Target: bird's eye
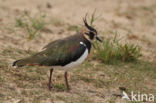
[91, 36]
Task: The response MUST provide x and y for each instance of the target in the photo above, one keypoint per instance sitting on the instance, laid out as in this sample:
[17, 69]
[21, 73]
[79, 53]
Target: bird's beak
[97, 38]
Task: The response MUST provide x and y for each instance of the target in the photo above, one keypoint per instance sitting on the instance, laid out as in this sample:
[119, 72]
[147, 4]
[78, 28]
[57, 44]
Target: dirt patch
[133, 20]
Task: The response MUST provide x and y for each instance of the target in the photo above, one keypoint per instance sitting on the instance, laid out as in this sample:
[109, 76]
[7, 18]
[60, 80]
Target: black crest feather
[86, 24]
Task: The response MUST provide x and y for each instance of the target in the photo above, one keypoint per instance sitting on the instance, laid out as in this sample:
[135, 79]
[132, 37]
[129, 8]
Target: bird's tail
[18, 63]
[22, 62]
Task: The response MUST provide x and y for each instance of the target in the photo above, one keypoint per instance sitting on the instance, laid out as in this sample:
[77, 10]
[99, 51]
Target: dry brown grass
[93, 81]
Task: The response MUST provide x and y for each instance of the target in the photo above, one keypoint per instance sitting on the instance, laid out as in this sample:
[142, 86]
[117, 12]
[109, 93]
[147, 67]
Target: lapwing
[64, 53]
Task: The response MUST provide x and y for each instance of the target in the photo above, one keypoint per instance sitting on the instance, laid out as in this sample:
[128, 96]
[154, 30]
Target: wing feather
[64, 57]
[60, 52]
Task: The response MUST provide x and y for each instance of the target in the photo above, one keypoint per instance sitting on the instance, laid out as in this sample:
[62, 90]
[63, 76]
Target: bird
[64, 54]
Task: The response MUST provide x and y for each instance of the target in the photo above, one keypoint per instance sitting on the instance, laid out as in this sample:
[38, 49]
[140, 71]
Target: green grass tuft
[112, 51]
[60, 87]
[32, 25]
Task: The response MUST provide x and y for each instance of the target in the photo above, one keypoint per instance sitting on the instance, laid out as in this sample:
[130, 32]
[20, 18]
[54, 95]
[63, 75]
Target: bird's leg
[66, 79]
[50, 85]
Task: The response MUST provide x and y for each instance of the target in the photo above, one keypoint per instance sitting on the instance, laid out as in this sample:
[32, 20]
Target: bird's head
[90, 33]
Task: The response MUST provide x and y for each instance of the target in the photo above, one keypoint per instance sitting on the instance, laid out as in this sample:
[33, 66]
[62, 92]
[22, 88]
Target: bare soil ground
[92, 82]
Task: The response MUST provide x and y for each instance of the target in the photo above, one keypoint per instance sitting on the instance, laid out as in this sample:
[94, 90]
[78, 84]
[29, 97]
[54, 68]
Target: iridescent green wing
[60, 52]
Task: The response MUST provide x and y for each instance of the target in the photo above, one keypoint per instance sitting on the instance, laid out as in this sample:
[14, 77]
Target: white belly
[74, 63]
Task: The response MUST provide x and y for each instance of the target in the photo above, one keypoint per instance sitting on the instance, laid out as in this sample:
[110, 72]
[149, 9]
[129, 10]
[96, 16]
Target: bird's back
[58, 53]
